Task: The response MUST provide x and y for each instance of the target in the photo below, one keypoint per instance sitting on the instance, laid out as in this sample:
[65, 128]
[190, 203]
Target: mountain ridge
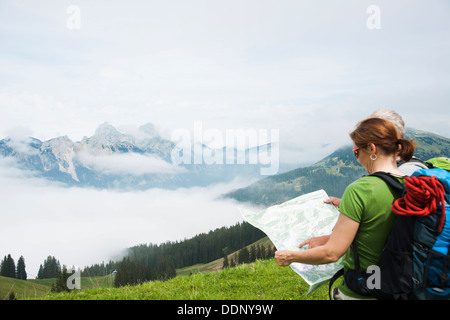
[112, 159]
[143, 160]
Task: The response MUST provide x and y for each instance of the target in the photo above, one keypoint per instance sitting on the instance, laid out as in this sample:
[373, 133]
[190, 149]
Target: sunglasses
[356, 150]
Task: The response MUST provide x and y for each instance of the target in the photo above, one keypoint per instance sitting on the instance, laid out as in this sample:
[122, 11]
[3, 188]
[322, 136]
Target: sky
[310, 69]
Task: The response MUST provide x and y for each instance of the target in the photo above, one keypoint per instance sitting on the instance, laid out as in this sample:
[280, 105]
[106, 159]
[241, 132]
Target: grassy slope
[23, 289]
[35, 289]
[260, 280]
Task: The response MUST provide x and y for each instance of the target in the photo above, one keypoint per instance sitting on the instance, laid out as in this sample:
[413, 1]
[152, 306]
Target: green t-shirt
[368, 201]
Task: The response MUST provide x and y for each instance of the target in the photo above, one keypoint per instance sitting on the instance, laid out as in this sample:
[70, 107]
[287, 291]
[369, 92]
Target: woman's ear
[372, 148]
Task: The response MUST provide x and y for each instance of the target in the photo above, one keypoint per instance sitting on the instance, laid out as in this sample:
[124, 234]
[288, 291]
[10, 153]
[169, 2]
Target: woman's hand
[334, 201]
[283, 257]
[315, 242]
[338, 243]
[286, 257]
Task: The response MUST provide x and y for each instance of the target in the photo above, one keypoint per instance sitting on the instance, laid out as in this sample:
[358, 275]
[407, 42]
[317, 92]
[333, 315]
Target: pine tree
[3, 267]
[263, 252]
[61, 281]
[271, 252]
[252, 253]
[133, 272]
[51, 268]
[258, 251]
[225, 262]
[12, 296]
[21, 273]
[166, 269]
[244, 255]
[40, 274]
[8, 267]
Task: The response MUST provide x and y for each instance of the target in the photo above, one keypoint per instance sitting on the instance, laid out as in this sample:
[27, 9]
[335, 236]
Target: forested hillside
[202, 248]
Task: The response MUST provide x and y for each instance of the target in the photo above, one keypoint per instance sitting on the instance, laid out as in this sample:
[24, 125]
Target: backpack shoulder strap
[389, 179]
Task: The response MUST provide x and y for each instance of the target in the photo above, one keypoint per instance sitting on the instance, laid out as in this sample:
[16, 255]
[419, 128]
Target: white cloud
[127, 163]
[19, 139]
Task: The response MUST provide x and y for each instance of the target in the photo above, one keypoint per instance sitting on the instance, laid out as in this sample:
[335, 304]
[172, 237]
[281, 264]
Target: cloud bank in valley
[86, 226]
[127, 163]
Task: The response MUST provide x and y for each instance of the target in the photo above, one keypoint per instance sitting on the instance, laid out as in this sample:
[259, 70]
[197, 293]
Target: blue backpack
[415, 262]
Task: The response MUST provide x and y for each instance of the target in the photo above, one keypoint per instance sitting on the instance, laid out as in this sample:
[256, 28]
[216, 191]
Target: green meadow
[259, 280]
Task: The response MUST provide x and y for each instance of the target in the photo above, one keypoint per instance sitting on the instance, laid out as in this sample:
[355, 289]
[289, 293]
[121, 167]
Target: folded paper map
[296, 220]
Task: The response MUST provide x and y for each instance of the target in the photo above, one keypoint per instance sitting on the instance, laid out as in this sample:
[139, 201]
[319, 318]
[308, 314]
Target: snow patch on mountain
[63, 150]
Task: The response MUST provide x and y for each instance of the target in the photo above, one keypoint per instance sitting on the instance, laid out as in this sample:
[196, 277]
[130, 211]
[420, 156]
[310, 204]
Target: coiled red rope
[422, 198]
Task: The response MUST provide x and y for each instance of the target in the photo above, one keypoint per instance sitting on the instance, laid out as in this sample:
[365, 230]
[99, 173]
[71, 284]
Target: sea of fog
[82, 226]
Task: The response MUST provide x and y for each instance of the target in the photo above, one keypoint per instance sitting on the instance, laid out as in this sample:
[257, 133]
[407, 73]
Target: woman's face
[362, 155]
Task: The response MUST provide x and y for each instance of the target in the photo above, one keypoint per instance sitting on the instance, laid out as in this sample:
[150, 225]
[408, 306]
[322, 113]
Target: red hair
[384, 135]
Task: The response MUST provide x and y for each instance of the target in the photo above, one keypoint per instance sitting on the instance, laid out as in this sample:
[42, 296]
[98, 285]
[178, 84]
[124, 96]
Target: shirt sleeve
[352, 202]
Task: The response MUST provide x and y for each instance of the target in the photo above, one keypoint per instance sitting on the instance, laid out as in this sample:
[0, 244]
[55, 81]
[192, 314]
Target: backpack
[415, 262]
[439, 162]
